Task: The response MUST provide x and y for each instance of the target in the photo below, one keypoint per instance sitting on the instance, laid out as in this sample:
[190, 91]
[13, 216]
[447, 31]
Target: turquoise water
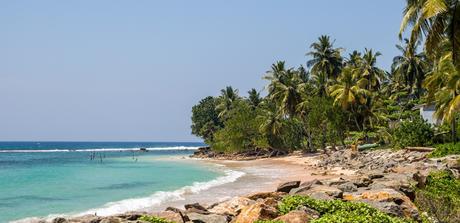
[39, 179]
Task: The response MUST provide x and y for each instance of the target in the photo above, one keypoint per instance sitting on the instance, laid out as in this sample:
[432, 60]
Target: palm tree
[443, 86]
[354, 59]
[436, 20]
[410, 68]
[349, 91]
[325, 58]
[254, 98]
[226, 100]
[282, 88]
[369, 70]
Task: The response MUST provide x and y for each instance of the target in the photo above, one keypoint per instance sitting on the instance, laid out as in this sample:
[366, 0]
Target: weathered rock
[327, 190]
[210, 218]
[310, 212]
[111, 220]
[59, 220]
[131, 216]
[264, 195]
[171, 216]
[362, 181]
[257, 211]
[420, 178]
[196, 208]
[294, 217]
[232, 206]
[348, 187]
[288, 186]
[453, 163]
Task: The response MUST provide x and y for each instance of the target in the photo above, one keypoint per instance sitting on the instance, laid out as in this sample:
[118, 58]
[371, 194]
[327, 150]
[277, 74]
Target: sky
[112, 70]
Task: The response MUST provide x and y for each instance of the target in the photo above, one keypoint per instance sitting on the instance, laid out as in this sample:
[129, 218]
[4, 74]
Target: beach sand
[261, 175]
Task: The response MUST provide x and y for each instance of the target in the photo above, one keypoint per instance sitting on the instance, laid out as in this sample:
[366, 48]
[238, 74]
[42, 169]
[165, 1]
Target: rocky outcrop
[288, 186]
[295, 217]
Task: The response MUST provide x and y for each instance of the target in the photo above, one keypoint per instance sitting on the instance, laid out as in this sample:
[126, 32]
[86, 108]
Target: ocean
[48, 179]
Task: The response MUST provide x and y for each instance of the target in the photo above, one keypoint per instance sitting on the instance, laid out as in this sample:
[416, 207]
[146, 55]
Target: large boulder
[196, 208]
[254, 212]
[362, 181]
[111, 220]
[288, 186]
[322, 189]
[348, 187]
[232, 206]
[295, 216]
[59, 220]
[265, 195]
[208, 218]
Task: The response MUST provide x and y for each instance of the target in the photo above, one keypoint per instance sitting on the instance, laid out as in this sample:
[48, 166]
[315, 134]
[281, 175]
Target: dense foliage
[446, 149]
[440, 197]
[415, 132]
[336, 211]
[337, 99]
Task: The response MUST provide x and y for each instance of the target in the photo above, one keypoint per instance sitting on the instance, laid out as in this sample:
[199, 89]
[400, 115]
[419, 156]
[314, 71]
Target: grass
[445, 150]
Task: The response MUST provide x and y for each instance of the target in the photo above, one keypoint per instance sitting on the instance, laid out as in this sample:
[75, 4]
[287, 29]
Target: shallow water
[43, 179]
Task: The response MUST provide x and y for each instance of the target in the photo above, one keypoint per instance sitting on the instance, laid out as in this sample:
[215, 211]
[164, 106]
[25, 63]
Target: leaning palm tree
[443, 86]
[226, 100]
[436, 20]
[410, 68]
[325, 58]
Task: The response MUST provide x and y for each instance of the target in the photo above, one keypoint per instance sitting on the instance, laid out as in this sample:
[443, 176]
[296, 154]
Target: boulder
[318, 189]
[131, 216]
[209, 218]
[362, 181]
[171, 216]
[232, 206]
[59, 220]
[111, 220]
[294, 217]
[348, 187]
[196, 208]
[265, 195]
[310, 183]
[257, 211]
[288, 186]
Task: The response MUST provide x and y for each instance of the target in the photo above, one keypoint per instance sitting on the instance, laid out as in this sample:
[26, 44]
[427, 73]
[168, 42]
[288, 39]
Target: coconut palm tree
[349, 89]
[254, 98]
[325, 58]
[370, 71]
[443, 85]
[436, 20]
[283, 89]
[410, 68]
[226, 100]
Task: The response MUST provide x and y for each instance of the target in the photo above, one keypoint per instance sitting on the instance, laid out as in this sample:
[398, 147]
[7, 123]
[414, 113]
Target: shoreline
[252, 176]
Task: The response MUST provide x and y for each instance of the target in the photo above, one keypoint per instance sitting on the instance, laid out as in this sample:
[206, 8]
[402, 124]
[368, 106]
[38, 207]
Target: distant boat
[143, 149]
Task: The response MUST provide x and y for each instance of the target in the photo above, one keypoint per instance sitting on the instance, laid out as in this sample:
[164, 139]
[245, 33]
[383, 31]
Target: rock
[59, 220]
[294, 217]
[131, 216]
[373, 176]
[196, 208]
[172, 216]
[387, 207]
[287, 186]
[257, 211]
[232, 206]
[362, 181]
[420, 178]
[210, 218]
[264, 195]
[453, 163]
[327, 190]
[348, 187]
[310, 212]
[111, 220]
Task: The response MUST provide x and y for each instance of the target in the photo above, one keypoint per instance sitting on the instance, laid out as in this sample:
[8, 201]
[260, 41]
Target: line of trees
[337, 99]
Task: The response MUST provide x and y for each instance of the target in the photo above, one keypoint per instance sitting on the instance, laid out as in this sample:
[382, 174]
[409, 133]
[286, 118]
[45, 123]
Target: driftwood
[420, 149]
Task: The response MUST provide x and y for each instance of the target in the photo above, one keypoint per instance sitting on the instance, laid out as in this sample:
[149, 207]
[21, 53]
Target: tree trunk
[454, 130]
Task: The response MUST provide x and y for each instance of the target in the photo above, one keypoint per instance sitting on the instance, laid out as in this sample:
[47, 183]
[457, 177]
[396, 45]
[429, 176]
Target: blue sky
[131, 70]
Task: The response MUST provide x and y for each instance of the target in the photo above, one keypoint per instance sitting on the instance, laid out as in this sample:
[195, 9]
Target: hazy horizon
[132, 70]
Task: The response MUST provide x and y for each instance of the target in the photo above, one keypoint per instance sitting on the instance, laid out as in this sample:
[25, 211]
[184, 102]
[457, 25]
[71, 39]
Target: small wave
[136, 204]
[97, 150]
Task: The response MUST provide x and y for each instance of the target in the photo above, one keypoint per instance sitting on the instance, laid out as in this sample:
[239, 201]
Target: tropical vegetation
[338, 99]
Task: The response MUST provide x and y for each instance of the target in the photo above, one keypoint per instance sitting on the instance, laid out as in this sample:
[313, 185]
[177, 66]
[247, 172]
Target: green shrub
[338, 211]
[446, 149]
[154, 219]
[413, 133]
[440, 197]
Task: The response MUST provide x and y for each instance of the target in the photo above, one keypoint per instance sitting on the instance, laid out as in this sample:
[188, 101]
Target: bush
[413, 133]
[154, 219]
[440, 197]
[446, 149]
[338, 211]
